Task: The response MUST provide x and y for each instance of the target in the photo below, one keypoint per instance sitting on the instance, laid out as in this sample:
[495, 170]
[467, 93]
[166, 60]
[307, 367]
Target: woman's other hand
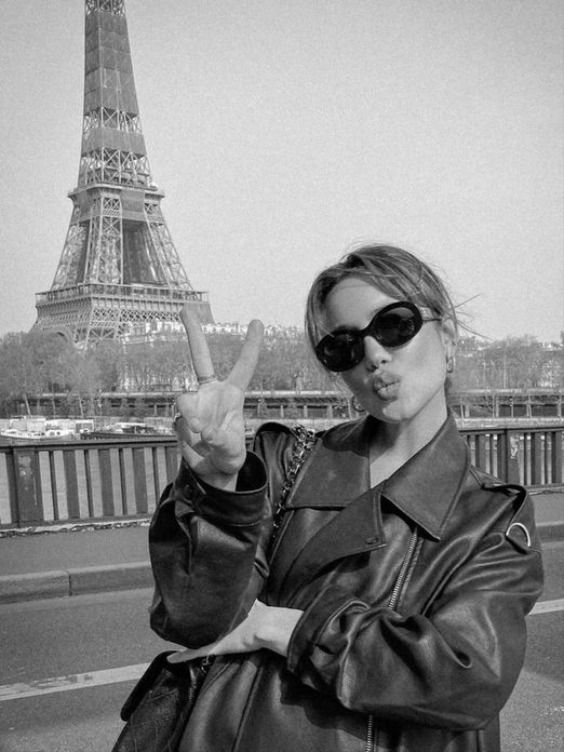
[211, 427]
[268, 627]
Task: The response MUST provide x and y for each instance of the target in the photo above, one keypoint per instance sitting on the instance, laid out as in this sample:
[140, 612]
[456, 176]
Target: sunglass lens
[339, 352]
[396, 327]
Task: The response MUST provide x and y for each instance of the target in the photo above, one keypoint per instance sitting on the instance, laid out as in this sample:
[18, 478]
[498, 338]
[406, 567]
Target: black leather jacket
[414, 596]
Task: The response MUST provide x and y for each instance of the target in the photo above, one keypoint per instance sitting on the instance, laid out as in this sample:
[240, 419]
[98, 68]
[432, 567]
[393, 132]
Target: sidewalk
[82, 559]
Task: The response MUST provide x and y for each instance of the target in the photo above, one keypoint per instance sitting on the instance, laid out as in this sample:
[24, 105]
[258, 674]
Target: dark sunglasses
[392, 326]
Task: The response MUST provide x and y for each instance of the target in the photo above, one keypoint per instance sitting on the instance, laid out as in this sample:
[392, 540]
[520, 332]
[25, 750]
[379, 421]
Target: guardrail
[93, 481]
[54, 482]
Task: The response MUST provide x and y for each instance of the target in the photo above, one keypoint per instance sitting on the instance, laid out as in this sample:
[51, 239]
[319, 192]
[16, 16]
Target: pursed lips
[385, 387]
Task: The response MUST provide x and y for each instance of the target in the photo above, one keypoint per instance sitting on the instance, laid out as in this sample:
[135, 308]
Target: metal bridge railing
[83, 480]
[95, 481]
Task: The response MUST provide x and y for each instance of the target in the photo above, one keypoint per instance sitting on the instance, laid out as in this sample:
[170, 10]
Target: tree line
[42, 363]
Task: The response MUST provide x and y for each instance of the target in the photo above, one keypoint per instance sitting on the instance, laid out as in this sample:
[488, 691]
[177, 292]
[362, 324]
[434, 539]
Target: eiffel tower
[119, 275]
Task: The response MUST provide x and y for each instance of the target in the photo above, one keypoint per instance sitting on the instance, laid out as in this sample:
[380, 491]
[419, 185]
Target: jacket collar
[425, 489]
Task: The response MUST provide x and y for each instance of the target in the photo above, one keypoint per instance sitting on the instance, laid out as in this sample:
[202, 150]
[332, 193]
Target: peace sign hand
[211, 427]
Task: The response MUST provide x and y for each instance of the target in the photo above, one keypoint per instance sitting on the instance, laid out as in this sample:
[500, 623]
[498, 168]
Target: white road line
[132, 673]
[547, 607]
[71, 681]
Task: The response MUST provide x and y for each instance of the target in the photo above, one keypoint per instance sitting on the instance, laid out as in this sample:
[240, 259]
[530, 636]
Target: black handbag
[159, 706]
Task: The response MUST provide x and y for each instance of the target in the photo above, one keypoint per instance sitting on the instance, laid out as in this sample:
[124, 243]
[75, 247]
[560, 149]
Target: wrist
[275, 628]
[214, 479]
[221, 481]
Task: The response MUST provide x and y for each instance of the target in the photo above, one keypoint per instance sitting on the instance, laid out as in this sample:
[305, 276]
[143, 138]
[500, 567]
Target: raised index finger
[244, 368]
[201, 358]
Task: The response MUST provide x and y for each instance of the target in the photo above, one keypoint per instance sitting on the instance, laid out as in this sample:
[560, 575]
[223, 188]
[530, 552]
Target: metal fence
[532, 457]
[89, 481]
[83, 480]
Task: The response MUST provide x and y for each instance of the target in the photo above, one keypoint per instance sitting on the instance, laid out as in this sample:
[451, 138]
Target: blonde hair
[393, 271]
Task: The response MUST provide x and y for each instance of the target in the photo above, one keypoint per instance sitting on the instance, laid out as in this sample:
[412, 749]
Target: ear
[449, 337]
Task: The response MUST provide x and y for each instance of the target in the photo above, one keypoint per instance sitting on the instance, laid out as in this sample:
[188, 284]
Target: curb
[111, 577]
[23, 587]
[78, 581]
[551, 532]
[76, 527]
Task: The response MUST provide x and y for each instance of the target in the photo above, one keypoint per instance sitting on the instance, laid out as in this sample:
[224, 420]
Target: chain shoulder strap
[305, 440]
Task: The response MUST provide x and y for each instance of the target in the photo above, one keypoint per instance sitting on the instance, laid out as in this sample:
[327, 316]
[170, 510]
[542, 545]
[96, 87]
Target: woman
[389, 613]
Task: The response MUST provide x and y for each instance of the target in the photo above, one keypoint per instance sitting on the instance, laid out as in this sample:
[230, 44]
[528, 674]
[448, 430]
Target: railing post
[502, 465]
[71, 480]
[481, 451]
[513, 470]
[28, 501]
[536, 458]
[140, 481]
[556, 457]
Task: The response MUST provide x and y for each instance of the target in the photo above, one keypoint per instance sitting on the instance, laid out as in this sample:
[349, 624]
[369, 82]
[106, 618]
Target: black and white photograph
[282, 376]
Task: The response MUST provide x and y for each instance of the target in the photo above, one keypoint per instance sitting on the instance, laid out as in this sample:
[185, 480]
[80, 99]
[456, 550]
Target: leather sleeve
[203, 545]
[452, 666]
[208, 546]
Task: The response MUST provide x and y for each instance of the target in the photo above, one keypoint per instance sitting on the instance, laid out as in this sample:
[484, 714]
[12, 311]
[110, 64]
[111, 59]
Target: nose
[374, 353]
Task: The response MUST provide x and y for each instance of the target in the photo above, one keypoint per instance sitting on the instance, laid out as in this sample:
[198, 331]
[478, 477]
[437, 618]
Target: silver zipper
[394, 597]
[392, 603]
[370, 734]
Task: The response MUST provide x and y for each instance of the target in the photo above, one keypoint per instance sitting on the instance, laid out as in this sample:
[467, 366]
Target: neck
[394, 444]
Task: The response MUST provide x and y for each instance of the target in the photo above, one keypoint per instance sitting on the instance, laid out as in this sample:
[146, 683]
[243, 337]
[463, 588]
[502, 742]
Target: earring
[356, 406]
[450, 364]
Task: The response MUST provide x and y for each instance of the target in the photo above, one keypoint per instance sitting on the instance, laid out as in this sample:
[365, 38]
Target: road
[66, 665]
[64, 639]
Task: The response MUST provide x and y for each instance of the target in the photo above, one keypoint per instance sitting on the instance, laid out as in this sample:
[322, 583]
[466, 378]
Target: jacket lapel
[428, 486]
[337, 478]
[352, 530]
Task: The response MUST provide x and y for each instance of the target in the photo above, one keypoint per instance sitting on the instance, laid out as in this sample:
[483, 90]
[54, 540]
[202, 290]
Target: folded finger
[194, 454]
[188, 412]
[189, 654]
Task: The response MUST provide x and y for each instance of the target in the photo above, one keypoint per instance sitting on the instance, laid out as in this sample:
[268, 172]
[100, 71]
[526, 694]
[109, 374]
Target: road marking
[547, 607]
[132, 673]
[71, 681]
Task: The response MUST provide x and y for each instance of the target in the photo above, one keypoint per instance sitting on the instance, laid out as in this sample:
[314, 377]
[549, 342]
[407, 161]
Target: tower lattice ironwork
[119, 275]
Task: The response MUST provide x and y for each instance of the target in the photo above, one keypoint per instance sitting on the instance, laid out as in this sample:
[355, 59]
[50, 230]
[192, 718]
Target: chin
[389, 413]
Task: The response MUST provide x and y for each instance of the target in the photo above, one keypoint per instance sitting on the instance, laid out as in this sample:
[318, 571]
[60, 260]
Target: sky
[284, 132]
